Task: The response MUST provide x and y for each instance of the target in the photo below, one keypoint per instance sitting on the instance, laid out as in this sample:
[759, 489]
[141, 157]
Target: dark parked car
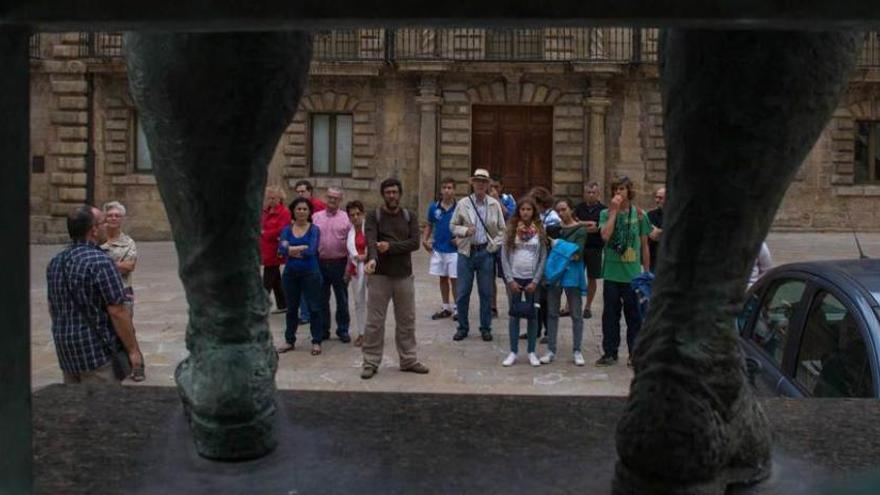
[813, 330]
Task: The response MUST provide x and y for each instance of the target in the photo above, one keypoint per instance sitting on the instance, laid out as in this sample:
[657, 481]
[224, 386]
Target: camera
[618, 247]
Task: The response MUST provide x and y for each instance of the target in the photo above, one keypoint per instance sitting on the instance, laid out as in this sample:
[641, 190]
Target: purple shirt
[334, 234]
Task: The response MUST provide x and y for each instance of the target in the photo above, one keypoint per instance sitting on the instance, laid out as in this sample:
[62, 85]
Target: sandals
[285, 348]
[138, 374]
[316, 350]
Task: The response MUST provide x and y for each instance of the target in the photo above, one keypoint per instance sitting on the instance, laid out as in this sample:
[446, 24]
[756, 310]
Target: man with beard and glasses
[392, 235]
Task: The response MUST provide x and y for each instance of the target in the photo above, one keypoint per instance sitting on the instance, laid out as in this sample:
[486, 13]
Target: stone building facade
[551, 107]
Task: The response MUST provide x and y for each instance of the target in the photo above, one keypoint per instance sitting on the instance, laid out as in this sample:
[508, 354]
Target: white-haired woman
[123, 251]
[120, 247]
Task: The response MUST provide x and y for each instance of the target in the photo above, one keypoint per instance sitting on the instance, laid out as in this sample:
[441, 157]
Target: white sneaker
[548, 358]
[533, 359]
[509, 360]
[579, 359]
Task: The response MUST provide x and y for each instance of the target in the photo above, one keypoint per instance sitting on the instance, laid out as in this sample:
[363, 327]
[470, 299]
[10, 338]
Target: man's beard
[392, 204]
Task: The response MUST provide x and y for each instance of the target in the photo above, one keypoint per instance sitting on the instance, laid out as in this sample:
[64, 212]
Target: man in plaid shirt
[89, 320]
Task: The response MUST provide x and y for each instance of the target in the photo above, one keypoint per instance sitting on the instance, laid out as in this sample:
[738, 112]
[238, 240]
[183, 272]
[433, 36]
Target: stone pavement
[470, 366]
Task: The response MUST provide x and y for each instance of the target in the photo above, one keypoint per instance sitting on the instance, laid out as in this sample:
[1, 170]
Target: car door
[832, 353]
[766, 341]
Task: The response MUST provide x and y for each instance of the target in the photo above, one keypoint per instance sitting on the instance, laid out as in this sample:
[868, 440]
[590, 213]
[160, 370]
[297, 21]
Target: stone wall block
[116, 158]
[115, 168]
[485, 93]
[116, 146]
[294, 149]
[296, 127]
[498, 92]
[474, 95]
[368, 129]
[360, 163]
[363, 173]
[116, 125]
[118, 114]
[65, 51]
[356, 184]
[541, 93]
[568, 123]
[117, 136]
[66, 117]
[552, 96]
[114, 103]
[368, 151]
[299, 117]
[67, 179]
[66, 86]
[72, 102]
[448, 149]
[366, 106]
[361, 118]
[361, 140]
[71, 194]
[455, 123]
[78, 133]
[68, 148]
[74, 164]
[63, 209]
[341, 104]
[455, 97]
[328, 101]
[527, 94]
[298, 138]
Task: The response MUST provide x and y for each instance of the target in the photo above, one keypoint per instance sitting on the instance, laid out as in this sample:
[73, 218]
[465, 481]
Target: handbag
[118, 357]
[491, 245]
[521, 309]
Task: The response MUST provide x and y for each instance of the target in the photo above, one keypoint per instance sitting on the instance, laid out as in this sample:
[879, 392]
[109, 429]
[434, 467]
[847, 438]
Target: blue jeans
[531, 323]
[333, 273]
[481, 263]
[297, 287]
[554, 300]
[617, 295]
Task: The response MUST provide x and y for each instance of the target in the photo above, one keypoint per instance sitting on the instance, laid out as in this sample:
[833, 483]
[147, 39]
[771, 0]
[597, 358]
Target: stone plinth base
[135, 440]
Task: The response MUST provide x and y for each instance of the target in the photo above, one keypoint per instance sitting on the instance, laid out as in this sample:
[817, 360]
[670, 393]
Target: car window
[833, 359]
[778, 307]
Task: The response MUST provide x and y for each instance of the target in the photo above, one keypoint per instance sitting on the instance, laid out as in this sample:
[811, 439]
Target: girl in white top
[523, 255]
[357, 254]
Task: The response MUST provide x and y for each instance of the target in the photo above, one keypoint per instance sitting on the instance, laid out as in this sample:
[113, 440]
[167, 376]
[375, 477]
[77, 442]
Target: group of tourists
[545, 251]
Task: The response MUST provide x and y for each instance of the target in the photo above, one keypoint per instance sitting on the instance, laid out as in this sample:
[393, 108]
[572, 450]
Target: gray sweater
[540, 260]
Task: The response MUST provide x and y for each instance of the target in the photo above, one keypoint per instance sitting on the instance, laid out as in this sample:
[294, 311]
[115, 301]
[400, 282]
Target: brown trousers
[100, 376]
[380, 290]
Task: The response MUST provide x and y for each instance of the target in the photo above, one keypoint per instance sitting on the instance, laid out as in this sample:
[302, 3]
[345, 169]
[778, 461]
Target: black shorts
[593, 262]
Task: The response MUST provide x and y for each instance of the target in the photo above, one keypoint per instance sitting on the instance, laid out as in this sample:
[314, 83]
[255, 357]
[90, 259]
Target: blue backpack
[641, 285]
[557, 261]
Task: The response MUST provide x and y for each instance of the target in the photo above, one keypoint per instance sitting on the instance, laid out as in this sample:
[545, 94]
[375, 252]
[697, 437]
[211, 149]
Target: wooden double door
[515, 143]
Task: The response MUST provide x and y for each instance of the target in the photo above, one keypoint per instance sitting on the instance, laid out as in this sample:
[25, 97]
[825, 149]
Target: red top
[317, 205]
[272, 222]
[360, 243]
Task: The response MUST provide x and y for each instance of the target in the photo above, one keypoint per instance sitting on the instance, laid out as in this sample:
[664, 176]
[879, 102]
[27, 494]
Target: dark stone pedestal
[135, 440]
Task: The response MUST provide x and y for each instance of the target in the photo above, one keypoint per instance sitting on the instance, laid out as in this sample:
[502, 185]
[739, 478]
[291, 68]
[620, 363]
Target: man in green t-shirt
[625, 229]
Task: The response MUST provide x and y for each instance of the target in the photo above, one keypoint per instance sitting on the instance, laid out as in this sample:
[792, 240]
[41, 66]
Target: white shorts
[443, 264]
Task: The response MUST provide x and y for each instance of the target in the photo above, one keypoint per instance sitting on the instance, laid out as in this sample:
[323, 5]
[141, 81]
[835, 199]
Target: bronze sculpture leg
[213, 107]
[742, 110]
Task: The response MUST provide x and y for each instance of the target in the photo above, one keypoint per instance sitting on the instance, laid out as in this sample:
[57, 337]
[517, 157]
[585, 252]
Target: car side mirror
[753, 368]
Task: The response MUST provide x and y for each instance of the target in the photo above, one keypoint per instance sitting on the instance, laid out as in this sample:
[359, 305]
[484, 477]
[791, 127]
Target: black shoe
[344, 338]
[588, 314]
[606, 361]
[455, 317]
[486, 336]
[544, 339]
[459, 335]
[439, 315]
[494, 312]
[524, 336]
[326, 336]
[565, 312]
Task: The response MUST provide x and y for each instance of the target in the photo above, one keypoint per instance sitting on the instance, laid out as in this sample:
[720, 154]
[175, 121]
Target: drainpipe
[90, 138]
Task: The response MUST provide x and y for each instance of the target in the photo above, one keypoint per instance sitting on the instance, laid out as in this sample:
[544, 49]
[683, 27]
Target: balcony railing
[596, 45]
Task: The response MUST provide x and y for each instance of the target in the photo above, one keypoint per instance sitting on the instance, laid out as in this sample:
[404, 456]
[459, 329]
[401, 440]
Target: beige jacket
[465, 216]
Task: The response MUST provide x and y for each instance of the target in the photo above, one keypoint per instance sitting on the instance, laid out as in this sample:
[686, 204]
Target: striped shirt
[82, 278]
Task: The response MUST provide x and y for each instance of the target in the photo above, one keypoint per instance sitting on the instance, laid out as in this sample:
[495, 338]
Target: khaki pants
[380, 290]
[100, 376]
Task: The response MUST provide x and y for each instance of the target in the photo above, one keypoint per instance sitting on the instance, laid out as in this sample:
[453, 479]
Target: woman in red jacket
[274, 218]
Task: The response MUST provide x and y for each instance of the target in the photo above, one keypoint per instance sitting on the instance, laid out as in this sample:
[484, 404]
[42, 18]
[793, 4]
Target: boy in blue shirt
[444, 253]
